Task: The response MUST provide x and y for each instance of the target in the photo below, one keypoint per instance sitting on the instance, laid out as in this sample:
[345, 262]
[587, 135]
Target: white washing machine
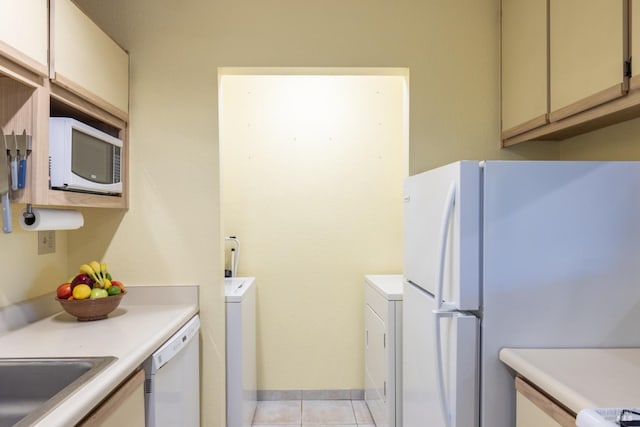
[240, 297]
[383, 348]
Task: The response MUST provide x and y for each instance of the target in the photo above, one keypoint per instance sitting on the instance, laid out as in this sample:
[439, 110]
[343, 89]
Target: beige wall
[24, 273]
[619, 142]
[312, 172]
[171, 233]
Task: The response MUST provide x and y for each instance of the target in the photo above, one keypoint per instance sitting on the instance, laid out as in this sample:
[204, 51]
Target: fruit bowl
[91, 309]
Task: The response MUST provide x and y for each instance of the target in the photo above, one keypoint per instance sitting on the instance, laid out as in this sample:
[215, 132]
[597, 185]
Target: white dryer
[383, 348]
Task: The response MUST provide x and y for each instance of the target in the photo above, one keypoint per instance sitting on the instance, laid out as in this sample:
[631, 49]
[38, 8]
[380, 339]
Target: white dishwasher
[172, 380]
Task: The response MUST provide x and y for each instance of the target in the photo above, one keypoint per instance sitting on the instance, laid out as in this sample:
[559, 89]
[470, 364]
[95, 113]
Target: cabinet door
[23, 33]
[87, 61]
[634, 12]
[586, 54]
[534, 409]
[124, 407]
[524, 65]
[529, 415]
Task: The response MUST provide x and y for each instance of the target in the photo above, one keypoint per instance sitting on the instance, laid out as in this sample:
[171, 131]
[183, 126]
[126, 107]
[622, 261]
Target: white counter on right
[581, 378]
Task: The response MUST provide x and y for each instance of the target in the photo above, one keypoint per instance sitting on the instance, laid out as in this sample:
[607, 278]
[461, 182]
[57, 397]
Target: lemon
[81, 292]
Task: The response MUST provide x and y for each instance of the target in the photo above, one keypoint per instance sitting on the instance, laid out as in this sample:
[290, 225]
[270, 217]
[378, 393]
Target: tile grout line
[355, 417]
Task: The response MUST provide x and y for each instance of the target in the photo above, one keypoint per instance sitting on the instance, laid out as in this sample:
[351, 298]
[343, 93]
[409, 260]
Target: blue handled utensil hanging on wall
[13, 171]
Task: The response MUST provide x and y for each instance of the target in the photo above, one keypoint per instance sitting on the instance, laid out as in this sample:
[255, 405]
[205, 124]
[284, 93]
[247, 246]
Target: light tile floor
[312, 413]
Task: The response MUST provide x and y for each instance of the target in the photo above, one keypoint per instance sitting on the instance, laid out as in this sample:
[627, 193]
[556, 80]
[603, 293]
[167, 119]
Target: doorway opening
[312, 163]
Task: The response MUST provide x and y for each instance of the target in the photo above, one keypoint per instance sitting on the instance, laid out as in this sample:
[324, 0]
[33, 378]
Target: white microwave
[82, 158]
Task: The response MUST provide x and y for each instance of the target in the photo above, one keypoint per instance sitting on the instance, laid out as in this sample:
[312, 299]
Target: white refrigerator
[511, 254]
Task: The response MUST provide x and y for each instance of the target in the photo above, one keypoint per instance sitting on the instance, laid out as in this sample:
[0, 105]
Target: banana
[98, 272]
[88, 270]
[103, 270]
[95, 265]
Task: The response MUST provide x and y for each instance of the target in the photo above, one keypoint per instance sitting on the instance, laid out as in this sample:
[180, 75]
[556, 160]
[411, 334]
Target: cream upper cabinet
[586, 54]
[563, 69]
[524, 65]
[23, 34]
[87, 61]
[634, 12]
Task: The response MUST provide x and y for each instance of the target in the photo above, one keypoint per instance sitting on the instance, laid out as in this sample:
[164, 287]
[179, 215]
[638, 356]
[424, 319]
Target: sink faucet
[235, 255]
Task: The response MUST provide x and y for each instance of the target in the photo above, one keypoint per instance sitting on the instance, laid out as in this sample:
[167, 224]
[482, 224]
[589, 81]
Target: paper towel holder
[29, 217]
[33, 219]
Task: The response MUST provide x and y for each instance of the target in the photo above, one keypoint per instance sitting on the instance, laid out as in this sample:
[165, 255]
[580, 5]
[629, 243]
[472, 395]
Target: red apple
[81, 279]
[64, 291]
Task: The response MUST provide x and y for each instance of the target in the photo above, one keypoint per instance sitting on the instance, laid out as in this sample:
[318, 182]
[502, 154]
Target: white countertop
[581, 378]
[145, 319]
[389, 286]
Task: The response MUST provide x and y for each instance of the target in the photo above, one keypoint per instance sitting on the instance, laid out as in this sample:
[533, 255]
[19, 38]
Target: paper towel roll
[52, 219]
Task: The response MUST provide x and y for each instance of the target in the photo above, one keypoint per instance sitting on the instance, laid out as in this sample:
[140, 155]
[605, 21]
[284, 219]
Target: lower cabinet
[535, 409]
[123, 407]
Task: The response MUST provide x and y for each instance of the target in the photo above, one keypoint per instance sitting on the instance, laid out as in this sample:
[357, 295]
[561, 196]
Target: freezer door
[441, 232]
[424, 404]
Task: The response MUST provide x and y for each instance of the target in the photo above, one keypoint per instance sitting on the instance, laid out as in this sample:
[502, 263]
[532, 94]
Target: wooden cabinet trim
[76, 102]
[70, 86]
[587, 103]
[18, 72]
[634, 82]
[619, 110]
[104, 410]
[525, 127]
[23, 60]
[562, 415]
[72, 198]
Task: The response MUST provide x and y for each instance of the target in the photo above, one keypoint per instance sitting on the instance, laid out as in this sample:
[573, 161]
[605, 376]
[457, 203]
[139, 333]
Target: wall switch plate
[46, 242]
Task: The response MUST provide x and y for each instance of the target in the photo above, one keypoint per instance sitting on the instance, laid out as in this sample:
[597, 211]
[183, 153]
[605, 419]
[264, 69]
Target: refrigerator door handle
[444, 404]
[444, 237]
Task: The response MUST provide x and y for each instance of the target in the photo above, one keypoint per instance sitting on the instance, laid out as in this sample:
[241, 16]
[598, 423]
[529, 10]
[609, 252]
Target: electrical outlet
[46, 242]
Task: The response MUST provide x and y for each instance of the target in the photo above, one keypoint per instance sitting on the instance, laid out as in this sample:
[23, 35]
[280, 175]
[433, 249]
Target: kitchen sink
[31, 387]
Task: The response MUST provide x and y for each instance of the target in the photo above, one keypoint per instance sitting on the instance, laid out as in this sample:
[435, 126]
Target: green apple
[98, 293]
